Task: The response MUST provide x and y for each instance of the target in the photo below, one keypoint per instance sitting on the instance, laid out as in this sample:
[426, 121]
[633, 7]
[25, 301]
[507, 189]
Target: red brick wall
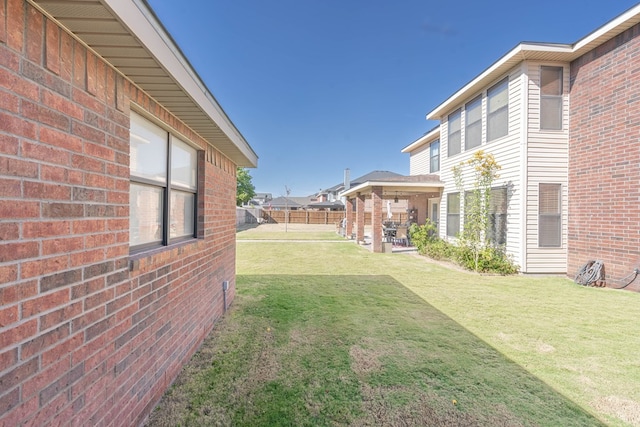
[604, 153]
[88, 333]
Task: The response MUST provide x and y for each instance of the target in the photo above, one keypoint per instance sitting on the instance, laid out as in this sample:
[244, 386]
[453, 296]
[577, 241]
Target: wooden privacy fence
[320, 217]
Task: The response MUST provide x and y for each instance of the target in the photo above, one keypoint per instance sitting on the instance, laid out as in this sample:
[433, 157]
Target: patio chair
[402, 236]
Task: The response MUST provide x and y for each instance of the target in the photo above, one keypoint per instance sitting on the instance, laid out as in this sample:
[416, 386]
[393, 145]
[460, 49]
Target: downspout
[524, 161]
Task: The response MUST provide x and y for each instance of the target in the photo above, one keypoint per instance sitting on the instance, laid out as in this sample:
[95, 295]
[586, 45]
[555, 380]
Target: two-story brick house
[524, 110]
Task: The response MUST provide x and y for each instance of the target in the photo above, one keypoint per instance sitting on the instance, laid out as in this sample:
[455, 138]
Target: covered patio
[417, 189]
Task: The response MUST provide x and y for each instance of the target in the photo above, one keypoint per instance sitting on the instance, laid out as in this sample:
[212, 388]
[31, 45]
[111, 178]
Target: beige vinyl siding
[507, 152]
[419, 161]
[547, 162]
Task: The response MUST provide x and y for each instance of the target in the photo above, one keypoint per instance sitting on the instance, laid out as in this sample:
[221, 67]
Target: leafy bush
[489, 259]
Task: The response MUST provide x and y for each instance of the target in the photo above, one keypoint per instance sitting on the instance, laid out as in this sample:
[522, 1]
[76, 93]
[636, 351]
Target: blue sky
[317, 86]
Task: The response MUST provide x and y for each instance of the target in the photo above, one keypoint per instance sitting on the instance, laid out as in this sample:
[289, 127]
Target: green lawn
[331, 334]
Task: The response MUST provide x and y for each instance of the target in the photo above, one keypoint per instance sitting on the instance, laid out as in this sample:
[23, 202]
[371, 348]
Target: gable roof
[129, 36]
[540, 52]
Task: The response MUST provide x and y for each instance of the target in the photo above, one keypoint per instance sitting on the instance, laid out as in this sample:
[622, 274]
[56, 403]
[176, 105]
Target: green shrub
[490, 259]
[422, 235]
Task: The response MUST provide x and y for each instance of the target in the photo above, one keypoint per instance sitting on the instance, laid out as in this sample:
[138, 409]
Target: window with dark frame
[473, 123]
[163, 187]
[551, 98]
[434, 156]
[498, 110]
[550, 215]
[454, 134]
[453, 214]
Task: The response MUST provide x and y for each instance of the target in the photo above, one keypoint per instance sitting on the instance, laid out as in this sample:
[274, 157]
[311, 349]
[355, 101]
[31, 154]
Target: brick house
[604, 154]
[117, 211]
[562, 120]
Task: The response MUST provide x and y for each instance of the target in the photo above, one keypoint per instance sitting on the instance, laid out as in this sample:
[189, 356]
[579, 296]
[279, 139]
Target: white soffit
[128, 36]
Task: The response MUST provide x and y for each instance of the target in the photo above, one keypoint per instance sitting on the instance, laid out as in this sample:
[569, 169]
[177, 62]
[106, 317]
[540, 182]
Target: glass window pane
[498, 124]
[550, 215]
[473, 110]
[183, 164]
[498, 96]
[148, 149]
[454, 143]
[435, 157]
[182, 213]
[550, 232]
[551, 113]
[498, 110]
[473, 135]
[473, 119]
[549, 198]
[551, 80]
[145, 204]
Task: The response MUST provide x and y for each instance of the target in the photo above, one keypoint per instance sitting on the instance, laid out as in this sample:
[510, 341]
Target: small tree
[245, 190]
[475, 232]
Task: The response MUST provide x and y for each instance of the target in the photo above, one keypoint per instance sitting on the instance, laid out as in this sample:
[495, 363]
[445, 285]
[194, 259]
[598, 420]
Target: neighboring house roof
[129, 36]
[281, 202]
[425, 139]
[326, 205]
[399, 185]
[540, 52]
[373, 175]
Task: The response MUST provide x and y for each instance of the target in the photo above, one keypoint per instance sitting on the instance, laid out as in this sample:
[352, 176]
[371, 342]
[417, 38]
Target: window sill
[136, 255]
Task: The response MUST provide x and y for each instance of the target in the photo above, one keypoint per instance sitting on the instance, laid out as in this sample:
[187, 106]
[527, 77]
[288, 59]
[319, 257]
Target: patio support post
[348, 230]
[360, 218]
[376, 219]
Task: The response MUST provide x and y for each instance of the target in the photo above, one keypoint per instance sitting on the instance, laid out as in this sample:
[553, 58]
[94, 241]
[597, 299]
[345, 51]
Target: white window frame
[549, 220]
[497, 112]
[453, 215]
[170, 188]
[434, 156]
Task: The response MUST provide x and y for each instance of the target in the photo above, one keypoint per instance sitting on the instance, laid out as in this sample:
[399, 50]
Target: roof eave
[144, 31]
[521, 52]
[427, 138]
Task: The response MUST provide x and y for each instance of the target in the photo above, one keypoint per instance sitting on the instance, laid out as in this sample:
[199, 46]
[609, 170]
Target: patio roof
[401, 186]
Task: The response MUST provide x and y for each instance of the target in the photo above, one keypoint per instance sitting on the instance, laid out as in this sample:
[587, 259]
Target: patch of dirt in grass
[382, 408]
[542, 347]
[364, 361]
[625, 409]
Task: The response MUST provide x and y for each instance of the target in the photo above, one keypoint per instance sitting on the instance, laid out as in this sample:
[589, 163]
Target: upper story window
[163, 185]
[498, 110]
[473, 123]
[434, 155]
[551, 98]
[454, 136]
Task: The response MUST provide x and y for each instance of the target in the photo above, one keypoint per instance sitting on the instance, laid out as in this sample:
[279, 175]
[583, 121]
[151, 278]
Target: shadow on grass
[354, 350]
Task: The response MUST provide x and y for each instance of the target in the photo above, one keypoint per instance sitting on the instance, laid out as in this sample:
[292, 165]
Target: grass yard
[331, 334]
